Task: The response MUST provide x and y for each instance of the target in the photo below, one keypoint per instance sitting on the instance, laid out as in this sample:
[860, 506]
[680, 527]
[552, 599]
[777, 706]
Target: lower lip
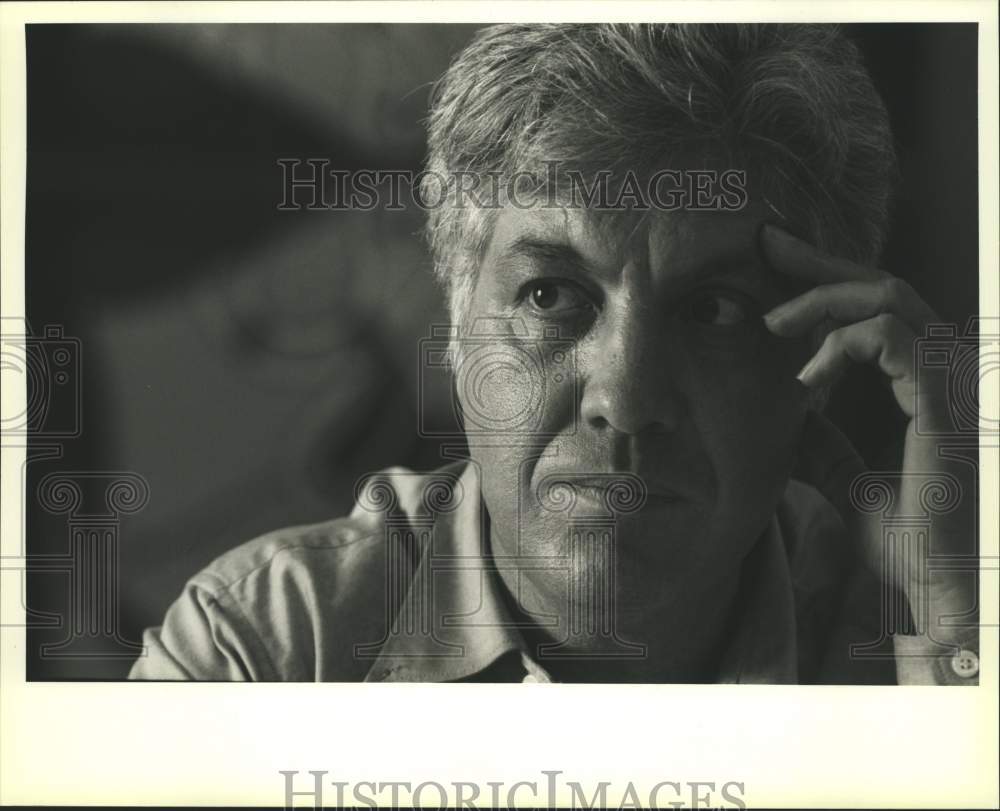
[597, 496]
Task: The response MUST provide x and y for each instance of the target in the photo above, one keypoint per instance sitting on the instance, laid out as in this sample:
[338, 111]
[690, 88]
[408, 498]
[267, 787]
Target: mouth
[618, 492]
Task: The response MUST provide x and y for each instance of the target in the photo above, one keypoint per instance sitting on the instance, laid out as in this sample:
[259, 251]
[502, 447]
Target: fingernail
[773, 316]
[778, 322]
[806, 371]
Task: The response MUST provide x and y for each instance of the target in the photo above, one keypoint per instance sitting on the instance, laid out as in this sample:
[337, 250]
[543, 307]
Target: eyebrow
[548, 252]
[734, 261]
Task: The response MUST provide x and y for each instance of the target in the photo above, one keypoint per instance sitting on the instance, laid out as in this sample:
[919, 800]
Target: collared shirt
[405, 589]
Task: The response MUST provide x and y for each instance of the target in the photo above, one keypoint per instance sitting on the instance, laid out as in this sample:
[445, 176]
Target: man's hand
[876, 318]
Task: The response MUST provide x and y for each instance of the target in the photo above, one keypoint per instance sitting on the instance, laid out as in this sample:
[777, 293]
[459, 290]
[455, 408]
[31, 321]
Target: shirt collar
[459, 622]
[454, 621]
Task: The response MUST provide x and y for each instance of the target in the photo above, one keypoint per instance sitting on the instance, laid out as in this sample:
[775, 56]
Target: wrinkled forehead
[659, 240]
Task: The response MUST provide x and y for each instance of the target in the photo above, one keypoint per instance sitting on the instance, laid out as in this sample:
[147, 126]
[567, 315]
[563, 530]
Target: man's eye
[720, 309]
[554, 297]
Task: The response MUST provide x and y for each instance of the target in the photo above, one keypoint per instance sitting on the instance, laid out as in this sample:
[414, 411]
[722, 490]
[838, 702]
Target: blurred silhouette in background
[251, 364]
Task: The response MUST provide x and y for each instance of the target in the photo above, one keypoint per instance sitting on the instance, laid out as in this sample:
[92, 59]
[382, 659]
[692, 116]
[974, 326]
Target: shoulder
[288, 552]
[333, 548]
[294, 603]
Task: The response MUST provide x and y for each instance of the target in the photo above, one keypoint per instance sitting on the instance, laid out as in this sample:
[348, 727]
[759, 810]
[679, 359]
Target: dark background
[250, 364]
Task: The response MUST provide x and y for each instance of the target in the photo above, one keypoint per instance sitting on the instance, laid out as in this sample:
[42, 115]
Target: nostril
[599, 422]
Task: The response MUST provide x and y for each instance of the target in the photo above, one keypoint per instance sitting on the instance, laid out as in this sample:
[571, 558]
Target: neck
[684, 630]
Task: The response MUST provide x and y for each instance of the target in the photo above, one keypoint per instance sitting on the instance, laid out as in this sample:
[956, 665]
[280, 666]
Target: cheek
[750, 401]
[499, 467]
[517, 389]
[749, 418]
[499, 391]
[518, 401]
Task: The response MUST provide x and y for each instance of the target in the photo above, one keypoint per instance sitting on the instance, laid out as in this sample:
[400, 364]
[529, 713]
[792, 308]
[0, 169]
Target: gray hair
[791, 103]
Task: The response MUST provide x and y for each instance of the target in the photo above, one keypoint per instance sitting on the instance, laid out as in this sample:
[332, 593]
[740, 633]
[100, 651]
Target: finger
[794, 257]
[849, 302]
[883, 340]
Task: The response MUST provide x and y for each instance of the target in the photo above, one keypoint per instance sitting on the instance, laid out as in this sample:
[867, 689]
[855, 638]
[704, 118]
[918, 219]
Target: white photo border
[225, 744]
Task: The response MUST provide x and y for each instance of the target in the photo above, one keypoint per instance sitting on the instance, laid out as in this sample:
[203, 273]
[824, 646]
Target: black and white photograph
[629, 352]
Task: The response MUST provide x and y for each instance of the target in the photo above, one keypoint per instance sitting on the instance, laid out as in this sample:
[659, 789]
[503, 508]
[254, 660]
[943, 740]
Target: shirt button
[530, 679]
[965, 663]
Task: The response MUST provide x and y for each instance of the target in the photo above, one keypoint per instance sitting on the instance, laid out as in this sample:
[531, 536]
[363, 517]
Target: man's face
[636, 354]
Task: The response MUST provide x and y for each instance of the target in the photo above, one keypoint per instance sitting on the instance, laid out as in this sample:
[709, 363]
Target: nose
[630, 382]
